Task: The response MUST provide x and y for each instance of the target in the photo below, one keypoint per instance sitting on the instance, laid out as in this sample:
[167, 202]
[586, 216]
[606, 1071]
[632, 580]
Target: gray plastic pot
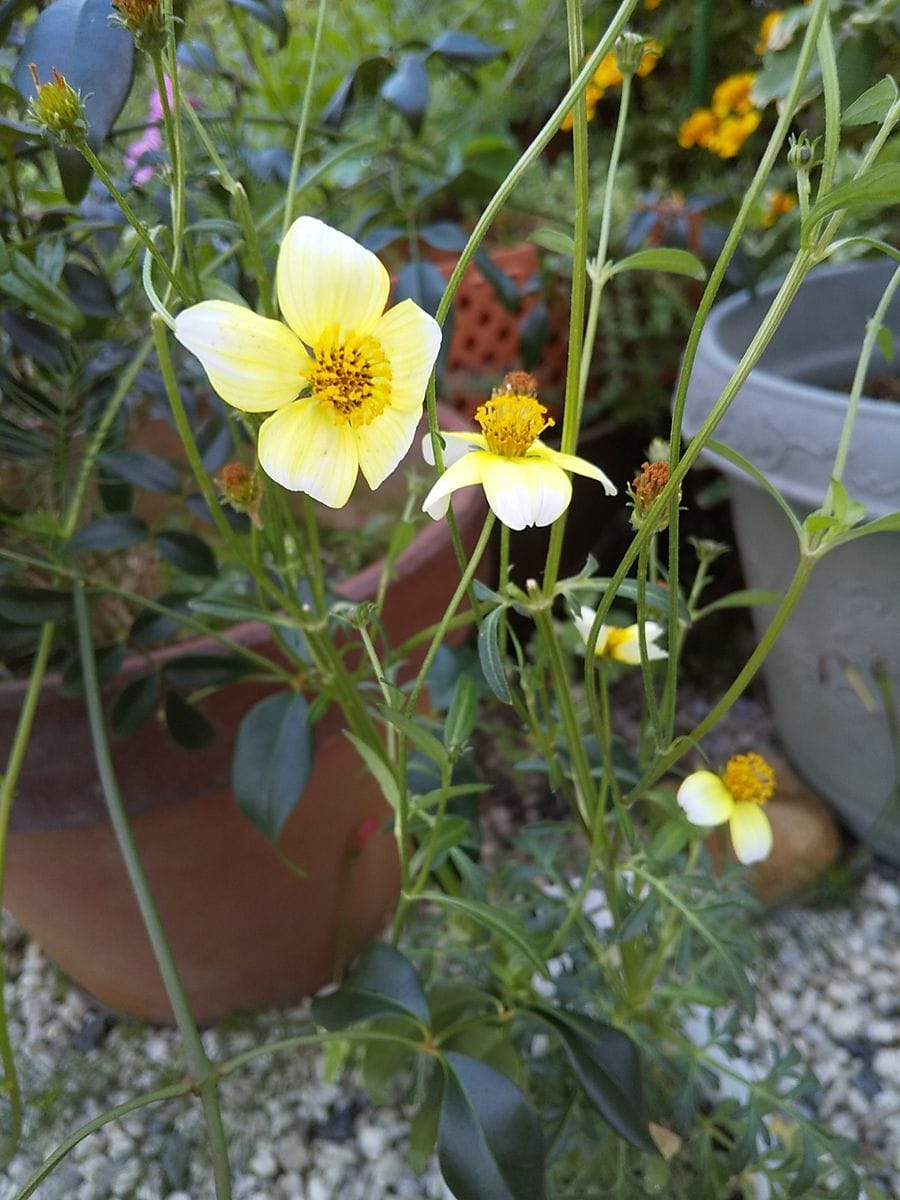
[787, 420]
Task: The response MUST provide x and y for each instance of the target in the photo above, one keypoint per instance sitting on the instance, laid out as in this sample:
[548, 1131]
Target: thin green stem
[831, 90]
[172, 125]
[701, 40]
[300, 136]
[199, 1066]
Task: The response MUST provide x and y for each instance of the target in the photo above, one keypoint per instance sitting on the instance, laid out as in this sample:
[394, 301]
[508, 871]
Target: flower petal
[455, 446]
[626, 644]
[253, 363]
[751, 832]
[411, 340]
[325, 279]
[705, 799]
[525, 491]
[303, 449]
[571, 462]
[383, 442]
[463, 473]
[583, 623]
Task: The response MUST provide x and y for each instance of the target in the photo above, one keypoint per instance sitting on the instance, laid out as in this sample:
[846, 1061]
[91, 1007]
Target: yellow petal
[411, 340]
[571, 462]
[525, 491]
[463, 473]
[455, 446]
[383, 442]
[751, 832]
[253, 363]
[625, 644]
[326, 280]
[303, 449]
[705, 799]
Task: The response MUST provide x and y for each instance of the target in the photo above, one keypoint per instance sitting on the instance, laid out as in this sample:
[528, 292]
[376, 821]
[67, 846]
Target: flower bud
[58, 109]
[802, 151]
[241, 489]
[629, 52]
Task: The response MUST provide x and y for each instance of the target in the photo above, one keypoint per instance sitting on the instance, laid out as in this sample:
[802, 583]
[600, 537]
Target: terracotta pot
[246, 931]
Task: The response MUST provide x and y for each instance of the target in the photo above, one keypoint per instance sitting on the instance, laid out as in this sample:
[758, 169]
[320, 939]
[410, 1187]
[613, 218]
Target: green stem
[199, 1066]
[300, 137]
[172, 126]
[700, 47]
[131, 217]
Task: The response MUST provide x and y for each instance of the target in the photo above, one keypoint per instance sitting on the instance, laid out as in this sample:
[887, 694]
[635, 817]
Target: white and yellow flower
[621, 643]
[525, 482]
[343, 379]
[736, 796]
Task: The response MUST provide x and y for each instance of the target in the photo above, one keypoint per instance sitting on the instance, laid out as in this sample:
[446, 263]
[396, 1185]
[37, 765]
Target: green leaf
[490, 1145]
[489, 655]
[27, 283]
[494, 919]
[135, 704]
[875, 188]
[187, 724]
[34, 605]
[676, 262]
[885, 339]
[748, 468]
[273, 759]
[459, 47]
[379, 769]
[670, 839]
[420, 737]
[423, 1128]
[463, 713]
[107, 660]
[608, 1067]
[114, 532]
[872, 106]
[743, 598]
[862, 239]
[204, 670]
[146, 470]
[421, 282]
[444, 235]
[382, 984]
[407, 90]
[89, 291]
[638, 920]
[150, 627]
[554, 240]
[186, 551]
[268, 13]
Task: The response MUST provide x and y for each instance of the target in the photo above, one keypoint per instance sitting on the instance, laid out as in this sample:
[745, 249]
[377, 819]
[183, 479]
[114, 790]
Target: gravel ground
[830, 986]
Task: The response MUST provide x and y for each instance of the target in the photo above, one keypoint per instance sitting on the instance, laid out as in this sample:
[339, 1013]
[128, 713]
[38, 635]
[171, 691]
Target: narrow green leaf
[420, 737]
[27, 284]
[872, 106]
[114, 532]
[885, 339]
[492, 918]
[463, 713]
[875, 188]
[489, 655]
[273, 759]
[676, 262]
[383, 983]
[204, 670]
[638, 920]
[743, 598]
[379, 769]
[490, 1145]
[135, 704]
[554, 240]
[748, 468]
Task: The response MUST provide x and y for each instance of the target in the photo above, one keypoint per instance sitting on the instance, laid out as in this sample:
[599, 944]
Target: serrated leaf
[134, 705]
[875, 188]
[492, 918]
[273, 759]
[607, 1065]
[872, 106]
[186, 723]
[675, 262]
[186, 551]
[383, 983]
[114, 532]
[34, 605]
[459, 47]
[204, 670]
[489, 656]
[490, 1145]
[146, 470]
[407, 90]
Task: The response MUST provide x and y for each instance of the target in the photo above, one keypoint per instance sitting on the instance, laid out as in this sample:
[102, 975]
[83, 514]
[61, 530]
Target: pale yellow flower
[343, 379]
[621, 643]
[737, 796]
[525, 482]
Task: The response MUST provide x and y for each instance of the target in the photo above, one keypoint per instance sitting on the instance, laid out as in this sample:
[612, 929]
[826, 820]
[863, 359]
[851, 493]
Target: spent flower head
[58, 108]
[241, 489]
[145, 20]
[645, 489]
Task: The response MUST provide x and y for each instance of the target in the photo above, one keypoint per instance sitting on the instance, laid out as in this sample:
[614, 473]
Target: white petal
[455, 446]
[411, 340]
[326, 279]
[628, 649]
[571, 462]
[253, 363]
[383, 442]
[585, 620]
[525, 491]
[303, 449]
[463, 473]
[751, 833]
[705, 799]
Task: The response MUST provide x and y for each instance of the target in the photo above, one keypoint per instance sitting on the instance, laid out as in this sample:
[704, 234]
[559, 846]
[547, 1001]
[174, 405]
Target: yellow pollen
[749, 778]
[512, 422]
[352, 376]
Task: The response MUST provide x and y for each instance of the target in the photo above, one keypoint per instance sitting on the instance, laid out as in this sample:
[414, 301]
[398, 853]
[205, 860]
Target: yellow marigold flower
[731, 133]
[607, 74]
[592, 95]
[649, 58]
[732, 95]
[343, 379]
[769, 38]
[651, 4]
[697, 129]
[621, 643]
[525, 482]
[736, 796]
[780, 202]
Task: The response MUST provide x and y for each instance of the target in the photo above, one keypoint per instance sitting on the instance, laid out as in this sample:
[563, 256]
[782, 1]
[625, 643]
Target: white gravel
[830, 986]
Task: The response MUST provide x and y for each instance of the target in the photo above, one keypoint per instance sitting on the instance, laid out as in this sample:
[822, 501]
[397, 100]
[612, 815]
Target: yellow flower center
[512, 422]
[749, 778]
[352, 376]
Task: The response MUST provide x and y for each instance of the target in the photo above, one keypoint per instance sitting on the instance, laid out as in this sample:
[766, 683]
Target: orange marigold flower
[731, 133]
[697, 129]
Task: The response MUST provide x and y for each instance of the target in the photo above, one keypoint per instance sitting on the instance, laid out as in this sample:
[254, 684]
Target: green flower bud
[58, 109]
